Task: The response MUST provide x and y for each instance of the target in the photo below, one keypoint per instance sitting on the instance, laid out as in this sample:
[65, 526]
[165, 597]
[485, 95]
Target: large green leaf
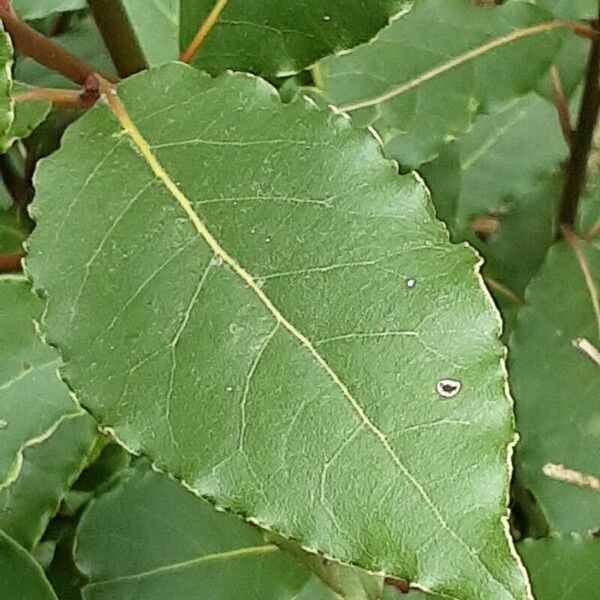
[156, 25]
[258, 302]
[556, 383]
[38, 9]
[563, 567]
[196, 552]
[33, 400]
[49, 469]
[436, 91]
[270, 37]
[21, 578]
[13, 224]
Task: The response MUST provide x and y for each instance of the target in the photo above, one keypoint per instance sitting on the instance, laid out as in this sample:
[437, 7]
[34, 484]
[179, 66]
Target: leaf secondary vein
[231, 554]
[146, 151]
[457, 61]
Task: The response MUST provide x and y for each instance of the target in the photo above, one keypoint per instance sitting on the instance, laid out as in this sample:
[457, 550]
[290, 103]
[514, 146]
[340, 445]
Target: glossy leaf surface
[261, 305]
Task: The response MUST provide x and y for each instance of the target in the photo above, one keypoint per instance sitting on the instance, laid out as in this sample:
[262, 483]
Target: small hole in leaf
[448, 388]
[410, 283]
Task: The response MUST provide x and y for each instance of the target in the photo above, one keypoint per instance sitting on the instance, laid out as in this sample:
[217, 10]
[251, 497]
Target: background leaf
[268, 37]
[33, 400]
[21, 577]
[556, 385]
[563, 567]
[39, 9]
[322, 418]
[195, 552]
[431, 111]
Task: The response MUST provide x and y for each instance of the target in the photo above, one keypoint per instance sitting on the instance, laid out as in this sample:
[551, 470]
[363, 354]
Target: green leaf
[571, 9]
[196, 552]
[14, 227]
[555, 384]
[84, 41]
[563, 567]
[39, 9]
[48, 471]
[326, 397]
[28, 115]
[156, 25]
[33, 400]
[269, 37]
[6, 103]
[506, 155]
[517, 250]
[435, 89]
[588, 214]
[22, 577]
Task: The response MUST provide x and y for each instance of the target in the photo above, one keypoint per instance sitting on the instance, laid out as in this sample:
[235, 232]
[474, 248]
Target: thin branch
[58, 97]
[582, 138]
[562, 108]
[572, 477]
[586, 347]
[44, 51]
[509, 38]
[573, 241]
[188, 54]
[119, 36]
[592, 232]
[10, 262]
[502, 289]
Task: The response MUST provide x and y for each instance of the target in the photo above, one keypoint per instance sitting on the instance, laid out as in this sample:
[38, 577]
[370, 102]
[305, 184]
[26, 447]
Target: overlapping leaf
[39, 9]
[259, 303]
[195, 553]
[436, 87]
[563, 567]
[49, 469]
[33, 400]
[21, 576]
[156, 25]
[555, 378]
[269, 37]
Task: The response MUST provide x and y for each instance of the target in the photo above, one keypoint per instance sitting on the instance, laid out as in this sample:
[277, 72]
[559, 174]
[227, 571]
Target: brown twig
[188, 54]
[562, 108]
[399, 584]
[582, 137]
[58, 97]
[572, 477]
[43, 50]
[10, 262]
[119, 36]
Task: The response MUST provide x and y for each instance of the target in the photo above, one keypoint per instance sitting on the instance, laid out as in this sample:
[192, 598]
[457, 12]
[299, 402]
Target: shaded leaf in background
[14, 226]
[271, 38]
[22, 577]
[156, 25]
[518, 248]
[563, 567]
[27, 116]
[84, 41]
[48, 471]
[555, 385]
[39, 9]
[196, 552]
[506, 155]
[325, 398]
[417, 122]
[33, 400]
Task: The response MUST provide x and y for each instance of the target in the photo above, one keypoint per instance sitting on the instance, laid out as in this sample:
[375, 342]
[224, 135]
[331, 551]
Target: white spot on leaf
[448, 388]
[410, 283]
